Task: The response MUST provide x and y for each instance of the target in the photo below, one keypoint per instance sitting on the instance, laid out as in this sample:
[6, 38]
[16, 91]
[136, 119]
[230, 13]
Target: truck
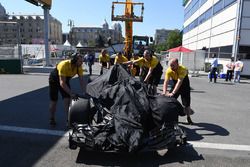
[140, 43]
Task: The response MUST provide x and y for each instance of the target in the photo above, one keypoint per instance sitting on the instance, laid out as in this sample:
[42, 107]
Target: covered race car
[119, 115]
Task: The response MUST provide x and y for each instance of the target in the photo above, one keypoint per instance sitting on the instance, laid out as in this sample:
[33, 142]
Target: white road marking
[220, 146]
[34, 131]
[66, 134]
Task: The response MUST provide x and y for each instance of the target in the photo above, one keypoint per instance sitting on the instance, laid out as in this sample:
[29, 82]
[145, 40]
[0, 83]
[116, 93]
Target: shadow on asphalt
[199, 130]
[153, 159]
[29, 110]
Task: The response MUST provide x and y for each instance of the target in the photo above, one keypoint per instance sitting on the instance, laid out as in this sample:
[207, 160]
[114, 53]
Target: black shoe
[189, 120]
[52, 122]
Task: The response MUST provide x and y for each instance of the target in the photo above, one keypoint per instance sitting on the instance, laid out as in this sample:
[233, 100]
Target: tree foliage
[173, 40]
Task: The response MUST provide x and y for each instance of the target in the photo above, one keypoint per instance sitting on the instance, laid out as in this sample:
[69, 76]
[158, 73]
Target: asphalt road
[220, 136]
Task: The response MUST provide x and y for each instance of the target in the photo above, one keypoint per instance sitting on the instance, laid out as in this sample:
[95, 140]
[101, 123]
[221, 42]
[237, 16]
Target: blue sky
[158, 14]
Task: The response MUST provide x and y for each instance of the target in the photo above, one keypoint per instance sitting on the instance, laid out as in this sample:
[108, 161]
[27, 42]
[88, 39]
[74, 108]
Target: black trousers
[213, 74]
[184, 91]
[54, 86]
[229, 75]
[155, 76]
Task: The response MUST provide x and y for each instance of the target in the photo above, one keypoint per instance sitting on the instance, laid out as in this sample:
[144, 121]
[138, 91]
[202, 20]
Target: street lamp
[70, 24]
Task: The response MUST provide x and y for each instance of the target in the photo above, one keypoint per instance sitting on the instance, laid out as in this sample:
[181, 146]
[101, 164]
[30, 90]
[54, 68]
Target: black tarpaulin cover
[133, 113]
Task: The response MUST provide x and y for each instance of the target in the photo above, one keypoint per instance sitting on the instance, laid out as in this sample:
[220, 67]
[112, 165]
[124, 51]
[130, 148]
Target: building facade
[89, 36]
[161, 35]
[221, 26]
[31, 28]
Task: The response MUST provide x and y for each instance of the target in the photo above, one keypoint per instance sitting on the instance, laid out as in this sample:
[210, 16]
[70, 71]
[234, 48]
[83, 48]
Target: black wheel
[79, 112]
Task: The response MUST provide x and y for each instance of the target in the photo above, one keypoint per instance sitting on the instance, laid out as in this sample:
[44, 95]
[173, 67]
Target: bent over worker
[152, 69]
[179, 75]
[59, 81]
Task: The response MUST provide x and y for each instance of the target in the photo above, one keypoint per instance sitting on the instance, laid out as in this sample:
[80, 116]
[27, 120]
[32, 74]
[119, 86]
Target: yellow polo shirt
[105, 58]
[148, 64]
[65, 69]
[121, 59]
[179, 74]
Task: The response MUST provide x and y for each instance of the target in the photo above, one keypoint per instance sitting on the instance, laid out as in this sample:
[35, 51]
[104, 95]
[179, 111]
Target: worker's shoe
[52, 122]
[189, 120]
[188, 111]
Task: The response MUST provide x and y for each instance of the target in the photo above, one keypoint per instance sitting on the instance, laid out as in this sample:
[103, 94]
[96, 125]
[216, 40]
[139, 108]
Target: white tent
[66, 43]
[79, 45]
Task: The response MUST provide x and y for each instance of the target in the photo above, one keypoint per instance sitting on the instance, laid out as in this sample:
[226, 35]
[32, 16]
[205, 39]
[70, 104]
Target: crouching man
[179, 75]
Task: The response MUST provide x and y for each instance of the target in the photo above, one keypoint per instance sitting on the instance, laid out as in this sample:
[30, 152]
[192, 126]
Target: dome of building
[2, 11]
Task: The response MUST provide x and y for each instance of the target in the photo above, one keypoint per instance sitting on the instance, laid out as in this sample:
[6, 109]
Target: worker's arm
[80, 77]
[148, 74]
[165, 87]
[108, 64]
[177, 87]
[64, 85]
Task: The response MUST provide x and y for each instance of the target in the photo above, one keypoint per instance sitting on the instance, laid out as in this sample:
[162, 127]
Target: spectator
[214, 66]
[230, 69]
[238, 68]
[90, 59]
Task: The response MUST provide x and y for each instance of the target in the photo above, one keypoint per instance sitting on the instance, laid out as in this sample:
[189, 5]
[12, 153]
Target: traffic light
[34, 2]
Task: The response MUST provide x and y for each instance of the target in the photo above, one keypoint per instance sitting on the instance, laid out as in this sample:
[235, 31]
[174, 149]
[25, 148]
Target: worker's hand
[74, 96]
[170, 94]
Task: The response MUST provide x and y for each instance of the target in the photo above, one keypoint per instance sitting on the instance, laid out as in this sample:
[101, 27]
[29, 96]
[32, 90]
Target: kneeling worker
[179, 75]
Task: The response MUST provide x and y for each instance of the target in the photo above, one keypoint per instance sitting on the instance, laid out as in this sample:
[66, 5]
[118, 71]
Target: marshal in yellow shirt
[148, 64]
[65, 69]
[179, 74]
[120, 60]
[105, 58]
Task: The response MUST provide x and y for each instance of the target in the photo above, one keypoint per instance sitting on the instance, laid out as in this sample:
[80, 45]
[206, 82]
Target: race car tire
[79, 112]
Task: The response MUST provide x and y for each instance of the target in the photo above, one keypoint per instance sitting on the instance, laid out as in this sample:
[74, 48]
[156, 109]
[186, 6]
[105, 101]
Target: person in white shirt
[238, 68]
[230, 70]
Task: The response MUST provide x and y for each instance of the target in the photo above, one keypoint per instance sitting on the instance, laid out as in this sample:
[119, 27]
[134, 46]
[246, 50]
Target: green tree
[160, 47]
[174, 39]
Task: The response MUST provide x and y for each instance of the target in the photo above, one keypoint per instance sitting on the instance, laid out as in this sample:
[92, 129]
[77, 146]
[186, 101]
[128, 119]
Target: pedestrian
[181, 86]
[214, 66]
[90, 59]
[152, 69]
[238, 68]
[59, 80]
[104, 60]
[230, 70]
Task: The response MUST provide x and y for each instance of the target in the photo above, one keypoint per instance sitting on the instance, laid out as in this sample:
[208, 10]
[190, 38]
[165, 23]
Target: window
[209, 13]
[218, 6]
[229, 2]
[202, 2]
